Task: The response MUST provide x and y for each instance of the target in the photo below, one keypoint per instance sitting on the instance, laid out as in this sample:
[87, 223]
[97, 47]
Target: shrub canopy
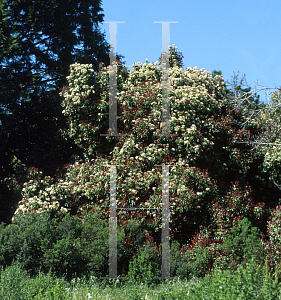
[208, 184]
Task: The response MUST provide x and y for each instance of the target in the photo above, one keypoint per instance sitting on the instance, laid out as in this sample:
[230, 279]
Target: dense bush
[16, 283]
[241, 244]
[27, 241]
[71, 247]
[197, 257]
[207, 252]
[179, 266]
[145, 265]
[251, 282]
[210, 173]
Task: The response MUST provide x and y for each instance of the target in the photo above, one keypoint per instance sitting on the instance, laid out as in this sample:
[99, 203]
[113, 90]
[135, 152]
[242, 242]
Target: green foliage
[273, 245]
[80, 249]
[179, 265]
[175, 57]
[245, 283]
[145, 266]
[197, 257]
[70, 247]
[200, 263]
[26, 241]
[135, 237]
[240, 244]
[251, 282]
[63, 258]
[209, 250]
[15, 283]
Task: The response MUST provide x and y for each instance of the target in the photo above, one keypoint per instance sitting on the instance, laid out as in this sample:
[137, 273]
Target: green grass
[246, 283]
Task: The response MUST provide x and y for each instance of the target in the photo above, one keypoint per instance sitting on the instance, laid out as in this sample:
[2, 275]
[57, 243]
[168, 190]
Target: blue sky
[230, 36]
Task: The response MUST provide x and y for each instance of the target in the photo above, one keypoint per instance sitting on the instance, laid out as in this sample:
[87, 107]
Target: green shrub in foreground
[145, 266]
[191, 264]
[251, 282]
[27, 241]
[241, 244]
[15, 283]
[70, 246]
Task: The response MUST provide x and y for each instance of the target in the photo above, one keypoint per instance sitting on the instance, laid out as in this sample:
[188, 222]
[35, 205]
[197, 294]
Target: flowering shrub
[206, 163]
[40, 195]
[63, 194]
[269, 139]
[85, 104]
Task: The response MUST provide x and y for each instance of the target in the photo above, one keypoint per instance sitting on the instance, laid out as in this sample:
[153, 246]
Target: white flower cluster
[45, 195]
[39, 196]
[79, 90]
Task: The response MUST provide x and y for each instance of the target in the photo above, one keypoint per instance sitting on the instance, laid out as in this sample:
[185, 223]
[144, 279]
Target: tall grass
[251, 282]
